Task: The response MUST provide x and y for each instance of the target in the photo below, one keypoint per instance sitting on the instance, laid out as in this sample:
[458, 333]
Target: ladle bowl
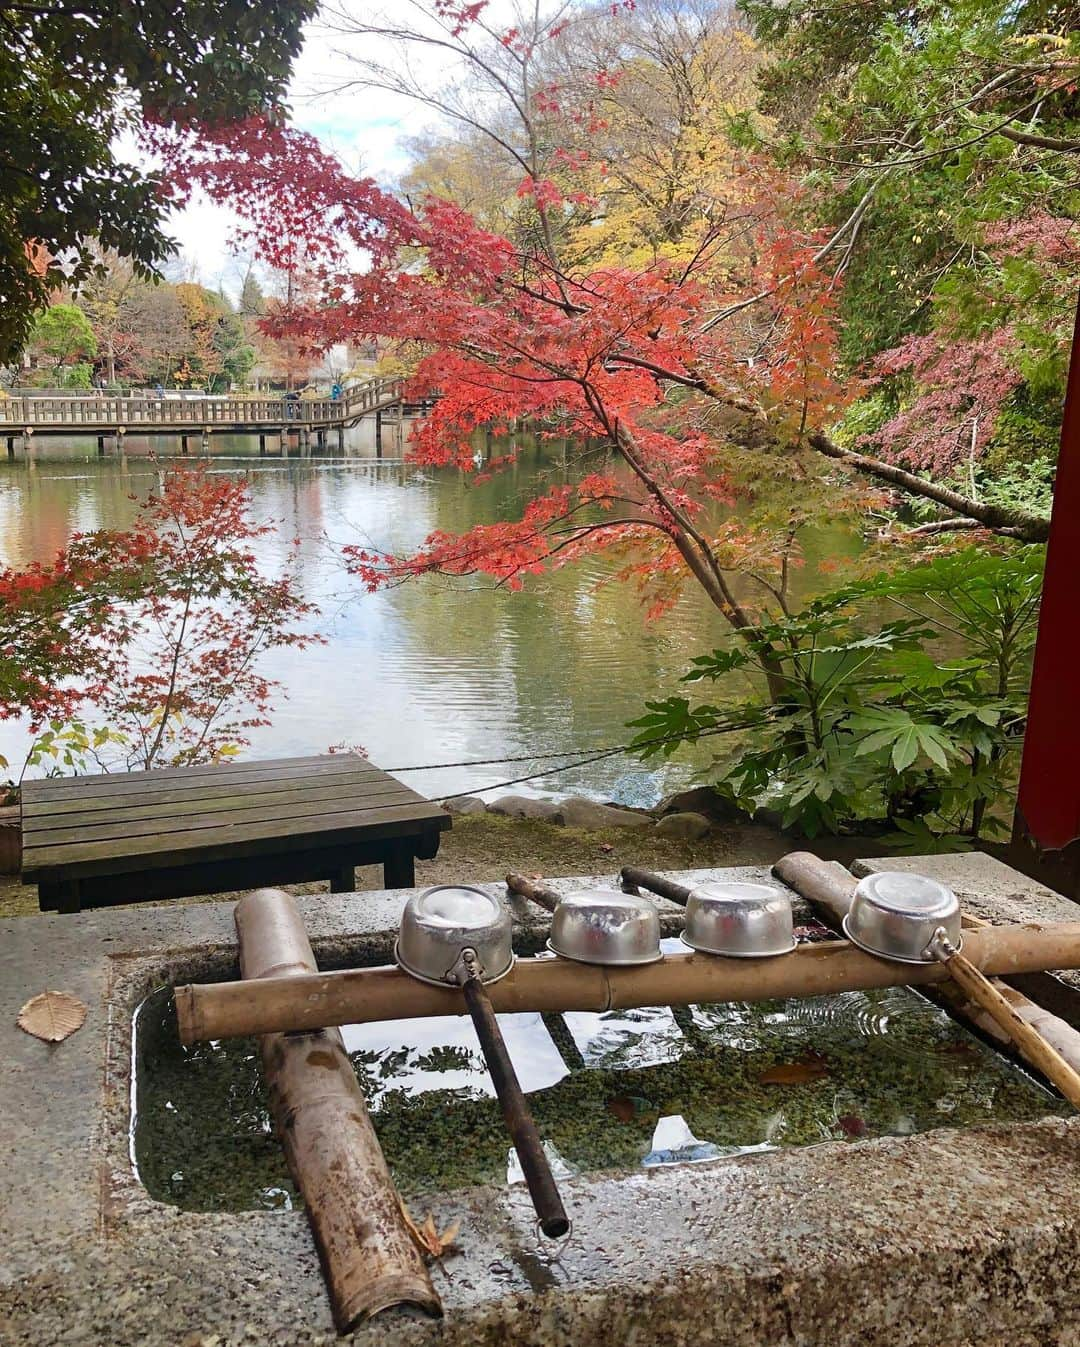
[604, 926]
[739, 920]
[896, 915]
[439, 923]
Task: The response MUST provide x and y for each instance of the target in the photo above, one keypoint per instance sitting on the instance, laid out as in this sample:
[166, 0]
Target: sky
[366, 128]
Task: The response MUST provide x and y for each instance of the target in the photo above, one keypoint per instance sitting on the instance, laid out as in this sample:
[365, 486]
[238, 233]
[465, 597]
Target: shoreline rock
[465, 804]
[577, 812]
[686, 826]
[524, 806]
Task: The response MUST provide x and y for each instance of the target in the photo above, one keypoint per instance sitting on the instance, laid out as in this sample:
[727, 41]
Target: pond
[619, 1090]
[431, 672]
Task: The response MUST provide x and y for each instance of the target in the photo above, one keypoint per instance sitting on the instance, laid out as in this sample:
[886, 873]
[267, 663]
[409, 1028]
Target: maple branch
[853, 221]
[1009, 521]
[1017, 522]
[1042, 142]
[700, 382]
[699, 557]
[958, 526]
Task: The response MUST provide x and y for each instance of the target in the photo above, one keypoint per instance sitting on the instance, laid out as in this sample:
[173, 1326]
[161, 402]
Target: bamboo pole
[828, 888]
[369, 1260]
[1033, 1047]
[355, 996]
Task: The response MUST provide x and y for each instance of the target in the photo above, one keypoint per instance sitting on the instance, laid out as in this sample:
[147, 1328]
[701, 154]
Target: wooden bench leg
[59, 895]
[398, 869]
[343, 880]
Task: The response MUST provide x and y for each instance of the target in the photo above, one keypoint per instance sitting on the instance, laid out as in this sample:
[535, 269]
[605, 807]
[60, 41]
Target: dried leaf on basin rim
[426, 1236]
[52, 1016]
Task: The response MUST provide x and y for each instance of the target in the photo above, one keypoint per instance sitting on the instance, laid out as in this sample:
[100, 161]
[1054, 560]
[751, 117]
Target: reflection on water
[609, 1091]
[429, 672]
[444, 1054]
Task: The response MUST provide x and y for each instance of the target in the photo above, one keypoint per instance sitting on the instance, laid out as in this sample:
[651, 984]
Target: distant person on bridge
[335, 393]
[292, 397]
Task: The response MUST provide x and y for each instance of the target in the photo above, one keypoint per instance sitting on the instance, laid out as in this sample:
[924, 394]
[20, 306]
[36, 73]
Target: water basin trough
[851, 1169]
[608, 1090]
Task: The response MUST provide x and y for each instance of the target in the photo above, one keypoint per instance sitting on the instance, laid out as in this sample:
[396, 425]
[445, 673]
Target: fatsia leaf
[934, 743]
[905, 748]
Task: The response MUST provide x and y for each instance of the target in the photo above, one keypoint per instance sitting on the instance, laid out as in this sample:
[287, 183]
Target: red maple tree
[153, 633]
[703, 376]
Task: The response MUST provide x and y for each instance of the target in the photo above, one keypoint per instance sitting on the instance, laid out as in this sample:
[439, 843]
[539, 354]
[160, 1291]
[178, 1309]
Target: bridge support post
[305, 442]
[28, 441]
[183, 444]
[101, 446]
[341, 439]
[11, 446]
[121, 431]
[283, 445]
[378, 434]
[262, 442]
[206, 439]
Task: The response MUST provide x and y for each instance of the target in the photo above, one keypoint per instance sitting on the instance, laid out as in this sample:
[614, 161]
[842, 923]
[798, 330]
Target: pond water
[431, 672]
[619, 1090]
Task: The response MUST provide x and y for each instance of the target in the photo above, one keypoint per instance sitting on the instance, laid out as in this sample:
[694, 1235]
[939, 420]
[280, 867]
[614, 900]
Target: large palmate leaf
[896, 728]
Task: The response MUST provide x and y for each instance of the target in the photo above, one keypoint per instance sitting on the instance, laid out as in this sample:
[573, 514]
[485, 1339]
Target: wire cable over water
[584, 757]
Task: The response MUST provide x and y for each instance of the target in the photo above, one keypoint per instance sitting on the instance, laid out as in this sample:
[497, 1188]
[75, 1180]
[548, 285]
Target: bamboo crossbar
[357, 996]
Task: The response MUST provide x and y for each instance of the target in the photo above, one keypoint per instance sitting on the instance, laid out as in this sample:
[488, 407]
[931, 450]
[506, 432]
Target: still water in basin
[431, 672]
[609, 1091]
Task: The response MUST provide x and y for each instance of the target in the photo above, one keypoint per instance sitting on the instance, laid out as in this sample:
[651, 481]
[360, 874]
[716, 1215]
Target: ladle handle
[537, 893]
[634, 879]
[1035, 1049]
[516, 1112]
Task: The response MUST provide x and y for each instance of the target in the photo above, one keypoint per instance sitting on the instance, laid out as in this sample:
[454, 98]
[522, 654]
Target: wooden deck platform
[25, 415]
[94, 841]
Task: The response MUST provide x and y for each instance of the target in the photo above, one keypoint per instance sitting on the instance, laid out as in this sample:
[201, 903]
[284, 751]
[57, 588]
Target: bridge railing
[144, 413]
[371, 395]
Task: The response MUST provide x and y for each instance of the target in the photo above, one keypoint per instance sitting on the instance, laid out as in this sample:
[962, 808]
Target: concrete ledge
[939, 1239]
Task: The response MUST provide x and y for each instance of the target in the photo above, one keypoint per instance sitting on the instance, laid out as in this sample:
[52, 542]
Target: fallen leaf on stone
[852, 1125]
[626, 1107]
[52, 1016]
[607, 847]
[808, 1068]
[426, 1237]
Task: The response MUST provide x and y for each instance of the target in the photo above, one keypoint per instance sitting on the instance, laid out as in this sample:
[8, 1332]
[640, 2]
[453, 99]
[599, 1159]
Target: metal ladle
[908, 918]
[515, 1108]
[438, 940]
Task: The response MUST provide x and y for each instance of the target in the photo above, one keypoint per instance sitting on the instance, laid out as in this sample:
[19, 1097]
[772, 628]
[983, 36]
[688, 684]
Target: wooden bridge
[24, 416]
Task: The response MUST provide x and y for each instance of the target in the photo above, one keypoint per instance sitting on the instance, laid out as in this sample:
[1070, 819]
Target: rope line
[595, 756]
[608, 751]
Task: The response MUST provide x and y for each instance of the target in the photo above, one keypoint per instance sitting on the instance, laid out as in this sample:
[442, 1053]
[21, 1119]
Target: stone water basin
[950, 1236]
[610, 1092]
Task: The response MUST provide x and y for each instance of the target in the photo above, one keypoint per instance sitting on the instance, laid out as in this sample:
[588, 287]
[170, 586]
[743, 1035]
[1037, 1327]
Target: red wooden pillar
[1046, 829]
